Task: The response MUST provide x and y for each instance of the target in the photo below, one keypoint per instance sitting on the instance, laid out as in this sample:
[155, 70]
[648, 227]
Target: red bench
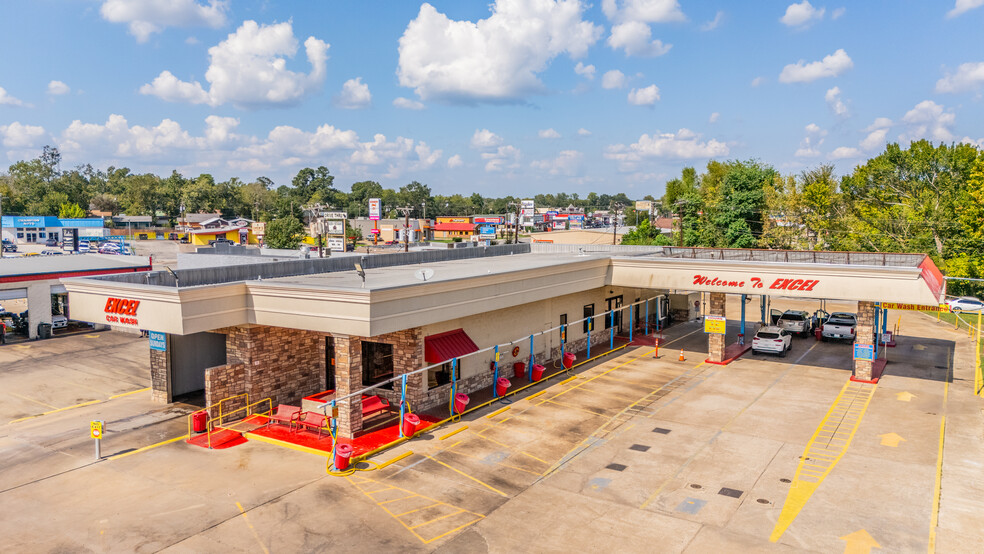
[313, 420]
[373, 404]
[284, 414]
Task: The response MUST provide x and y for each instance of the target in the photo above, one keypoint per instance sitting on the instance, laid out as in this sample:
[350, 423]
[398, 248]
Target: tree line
[925, 198]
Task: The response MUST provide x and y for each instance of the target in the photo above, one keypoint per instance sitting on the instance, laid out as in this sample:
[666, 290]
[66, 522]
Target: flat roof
[52, 267]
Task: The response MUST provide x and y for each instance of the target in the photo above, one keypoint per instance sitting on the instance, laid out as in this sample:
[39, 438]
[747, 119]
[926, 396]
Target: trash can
[536, 372]
[460, 402]
[501, 386]
[199, 420]
[44, 330]
[519, 369]
[410, 423]
[569, 358]
[342, 454]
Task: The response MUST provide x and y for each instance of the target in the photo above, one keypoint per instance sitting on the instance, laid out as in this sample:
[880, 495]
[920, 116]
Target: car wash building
[290, 330]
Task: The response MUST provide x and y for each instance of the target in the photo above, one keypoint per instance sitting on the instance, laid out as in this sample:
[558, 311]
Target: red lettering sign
[756, 283]
[121, 306]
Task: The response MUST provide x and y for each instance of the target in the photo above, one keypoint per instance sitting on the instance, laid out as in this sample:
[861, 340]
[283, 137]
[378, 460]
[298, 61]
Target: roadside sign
[715, 324]
[158, 341]
[916, 307]
[643, 205]
[96, 429]
[375, 208]
[336, 244]
[373, 231]
[864, 352]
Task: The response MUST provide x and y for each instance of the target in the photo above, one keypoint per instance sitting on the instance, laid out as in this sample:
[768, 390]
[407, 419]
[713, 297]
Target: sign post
[96, 432]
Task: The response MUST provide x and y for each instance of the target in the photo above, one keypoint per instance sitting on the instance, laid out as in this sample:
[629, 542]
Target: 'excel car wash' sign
[757, 283]
[121, 311]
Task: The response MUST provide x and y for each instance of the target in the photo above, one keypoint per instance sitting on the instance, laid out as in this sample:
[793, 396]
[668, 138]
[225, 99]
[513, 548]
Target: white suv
[773, 340]
[796, 321]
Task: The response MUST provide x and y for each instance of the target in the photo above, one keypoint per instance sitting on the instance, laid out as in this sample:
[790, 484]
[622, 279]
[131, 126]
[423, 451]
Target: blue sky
[514, 97]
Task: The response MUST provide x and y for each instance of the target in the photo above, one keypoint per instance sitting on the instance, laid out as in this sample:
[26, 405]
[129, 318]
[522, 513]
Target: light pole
[617, 208]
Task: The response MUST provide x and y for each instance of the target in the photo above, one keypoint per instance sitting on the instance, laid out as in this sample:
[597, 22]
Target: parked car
[83, 246]
[213, 242]
[964, 304]
[52, 241]
[840, 325]
[51, 252]
[772, 340]
[59, 322]
[8, 246]
[796, 321]
[109, 248]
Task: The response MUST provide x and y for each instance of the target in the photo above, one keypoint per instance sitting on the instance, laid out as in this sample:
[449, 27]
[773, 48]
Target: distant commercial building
[454, 227]
[38, 229]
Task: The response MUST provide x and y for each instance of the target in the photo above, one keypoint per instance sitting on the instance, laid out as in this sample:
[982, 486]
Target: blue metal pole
[631, 323]
[529, 370]
[762, 298]
[495, 376]
[334, 421]
[403, 403]
[590, 325]
[659, 316]
[611, 329]
[876, 332]
[743, 315]
[647, 317]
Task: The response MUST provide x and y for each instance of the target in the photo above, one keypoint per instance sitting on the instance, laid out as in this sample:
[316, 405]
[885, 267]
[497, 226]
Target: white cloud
[874, 140]
[714, 117]
[809, 147]
[355, 95]
[814, 129]
[18, 135]
[586, 71]
[249, 70]
[146, 17]
[829, 66]
[502, 158]
[968, 77]
[6, 99]
[548, 134]
[219, 131]
[845, 152]
[714, 23]
[833, 98]
[964, 6]
[398, 156]
[567, 162]
[56, 88]
[582, 132]
[191, 41]
[118, 139]
[838, 13]
[879, 123]
[758, 81]
[496, 59]
[483, 139]
[684, 144]
[455, 161]
[613, 79]
[802, 14]
[647, 96]
[636, 39]
[806, 152]
[649, 11]
[928, 120]
[979, 143]
[407, 104]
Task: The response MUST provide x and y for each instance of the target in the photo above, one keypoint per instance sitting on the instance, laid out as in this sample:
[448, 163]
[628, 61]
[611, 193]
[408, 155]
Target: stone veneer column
[408, 356]
[715, 342]
[348, 379]
[159, 375]
[865, 334]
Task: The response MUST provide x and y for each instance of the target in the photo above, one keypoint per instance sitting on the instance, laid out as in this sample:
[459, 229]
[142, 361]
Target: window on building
[441, 375]
[41, 234]
[563, 327]
[377, 363]
[588, 315]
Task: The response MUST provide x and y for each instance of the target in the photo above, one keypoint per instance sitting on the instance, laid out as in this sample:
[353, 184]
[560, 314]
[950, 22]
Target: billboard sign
[559, 225]
[643, 205]
[486, 231]
[336, 244]
[335, 227]
[375, 209]
[575, 217]
[489, 220]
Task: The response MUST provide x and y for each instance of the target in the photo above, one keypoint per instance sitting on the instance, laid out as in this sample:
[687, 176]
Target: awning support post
[743, 317]
[611, 329]
[647, 317]
[403, 403]
[631, 323]
[495, 375]
[529, 369]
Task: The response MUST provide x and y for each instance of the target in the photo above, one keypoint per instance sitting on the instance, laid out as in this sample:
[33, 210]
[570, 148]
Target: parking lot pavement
[634, 453]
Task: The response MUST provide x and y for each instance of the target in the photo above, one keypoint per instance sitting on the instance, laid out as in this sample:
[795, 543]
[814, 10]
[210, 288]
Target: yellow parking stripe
[823, 452]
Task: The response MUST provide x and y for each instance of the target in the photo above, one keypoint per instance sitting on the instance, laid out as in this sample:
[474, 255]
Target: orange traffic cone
[656, 352]
[682, 359]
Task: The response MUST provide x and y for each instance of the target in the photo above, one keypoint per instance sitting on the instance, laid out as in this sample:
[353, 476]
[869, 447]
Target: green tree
[71, 211]
[284, 232]
[644, 233]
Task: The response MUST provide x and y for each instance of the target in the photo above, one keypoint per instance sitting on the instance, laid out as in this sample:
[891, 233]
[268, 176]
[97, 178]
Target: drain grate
[784, 480]
[616, 467]
[733, 493]
[763, 501]
[661, 431]
[695, 486]
[639, 447]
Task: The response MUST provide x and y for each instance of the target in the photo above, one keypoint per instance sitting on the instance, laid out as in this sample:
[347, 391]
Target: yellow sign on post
[96, 429]
[715, 324]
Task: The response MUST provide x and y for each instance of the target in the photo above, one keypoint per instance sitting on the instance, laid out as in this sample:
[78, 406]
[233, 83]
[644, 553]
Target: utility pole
[405, 210]
[424, 206]
[515, 222]
[617, 208]
[1, 227]
[680, 204]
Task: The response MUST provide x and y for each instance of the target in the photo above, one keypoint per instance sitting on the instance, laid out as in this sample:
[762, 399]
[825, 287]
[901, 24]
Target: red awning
[454, 227]
[444, 346]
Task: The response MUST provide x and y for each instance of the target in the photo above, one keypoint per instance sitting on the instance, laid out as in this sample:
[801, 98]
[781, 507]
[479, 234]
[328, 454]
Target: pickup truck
[840, 325]
[796, 321]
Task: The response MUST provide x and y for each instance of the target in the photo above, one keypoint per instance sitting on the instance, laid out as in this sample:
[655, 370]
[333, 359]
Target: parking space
[634, 451]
